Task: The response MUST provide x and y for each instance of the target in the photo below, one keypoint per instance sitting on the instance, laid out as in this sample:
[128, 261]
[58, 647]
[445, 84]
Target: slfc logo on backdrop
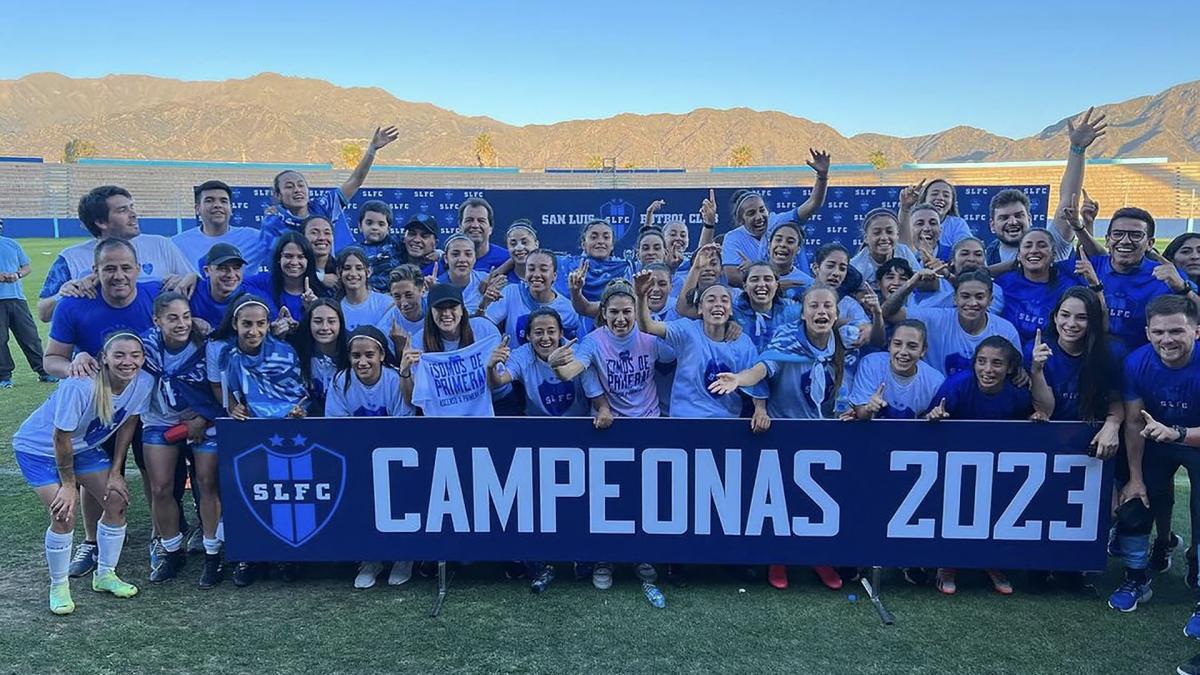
[293, 488]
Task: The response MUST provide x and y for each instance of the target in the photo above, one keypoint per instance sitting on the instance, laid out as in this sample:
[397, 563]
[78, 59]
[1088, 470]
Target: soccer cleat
[401, 572]
[169, 564]
[1192, 667]
[60, 598]
[945, 581]
[214, 571]
[47, 378]
[367, 572]
[1129, 594]
[602, 576]
[109, 582]
[6, 384]
[243, 574]
[777, 576]
[195, 541]
[917, 576]
[156, 552]
[646, 572]
[829, 577]
[514, 570]
[654, 595]
[1161, 552]
[84, 560]
[1000, 582]
[1192, 628]
[541, 582]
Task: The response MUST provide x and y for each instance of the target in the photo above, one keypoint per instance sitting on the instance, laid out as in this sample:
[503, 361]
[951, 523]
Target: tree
[485, 152]
[741, 156]
[76, 148]
[593, 162]
[351, 153]
[878, 160]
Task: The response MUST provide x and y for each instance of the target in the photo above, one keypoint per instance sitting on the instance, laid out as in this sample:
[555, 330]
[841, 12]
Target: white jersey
[72, 408]
[158, 257]
[355, 399]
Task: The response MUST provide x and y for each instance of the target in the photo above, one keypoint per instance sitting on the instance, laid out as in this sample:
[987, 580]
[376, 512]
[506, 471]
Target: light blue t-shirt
[472, 296]
[952, 349]
[195, 245]
[944, 297]
[513, 308]
[739, 240]
[866, 265]
[454, 383]
[382, 399]
[480, 328]
[411, 327]
[905, 399]
[368, 312]
[12, 257]
[704, 360]
[72, 408]
[545, 394]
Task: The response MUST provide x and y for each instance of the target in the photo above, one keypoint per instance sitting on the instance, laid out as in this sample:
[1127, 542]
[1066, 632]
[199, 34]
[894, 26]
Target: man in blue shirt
[224, 267]
[79, 325]
[214, 208]
[1162, 419]
[14, 313]
[476, 220]
[1129, 275]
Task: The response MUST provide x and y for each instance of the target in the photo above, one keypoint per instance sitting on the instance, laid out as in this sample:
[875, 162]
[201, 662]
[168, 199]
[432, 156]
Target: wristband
[709, 227]
[1077, 149]
[403, 376]
[1098, 288]
[1182, 431]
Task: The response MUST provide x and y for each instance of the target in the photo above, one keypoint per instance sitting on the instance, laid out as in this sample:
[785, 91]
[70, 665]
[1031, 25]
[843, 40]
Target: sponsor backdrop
[704, 491]
[559, 215]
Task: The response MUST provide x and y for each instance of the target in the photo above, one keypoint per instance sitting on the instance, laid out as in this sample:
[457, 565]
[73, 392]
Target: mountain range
[276, 118]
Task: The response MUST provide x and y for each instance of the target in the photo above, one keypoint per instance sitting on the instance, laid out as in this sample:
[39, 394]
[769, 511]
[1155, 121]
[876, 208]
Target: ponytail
[102, 393]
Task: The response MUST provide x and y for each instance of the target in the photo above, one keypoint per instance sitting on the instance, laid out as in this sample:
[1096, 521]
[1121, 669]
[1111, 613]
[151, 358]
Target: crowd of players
[314, 315]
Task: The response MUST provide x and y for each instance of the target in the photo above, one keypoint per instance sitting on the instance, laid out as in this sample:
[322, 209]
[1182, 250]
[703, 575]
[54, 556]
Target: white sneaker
[367, 571]
[401, 573]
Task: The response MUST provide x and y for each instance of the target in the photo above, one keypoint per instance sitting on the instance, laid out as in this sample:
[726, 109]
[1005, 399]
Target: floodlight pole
[872, 588]
[442, 588]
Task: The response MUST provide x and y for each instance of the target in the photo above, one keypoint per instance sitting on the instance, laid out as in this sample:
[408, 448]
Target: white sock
[111, 540]
[212, 546]
[173, 543]
[58, 554]
[221, 530]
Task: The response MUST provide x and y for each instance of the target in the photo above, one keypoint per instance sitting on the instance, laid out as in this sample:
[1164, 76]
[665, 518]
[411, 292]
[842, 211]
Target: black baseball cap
[223, 253]
[423, 221]
[441, 294]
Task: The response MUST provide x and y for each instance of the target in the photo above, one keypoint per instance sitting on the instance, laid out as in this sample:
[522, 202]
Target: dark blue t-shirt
[1063, 372]
[205, 307]
[1027, 304]
[1126, 295]
[964, 400]
[1170, 395]
[83, 322]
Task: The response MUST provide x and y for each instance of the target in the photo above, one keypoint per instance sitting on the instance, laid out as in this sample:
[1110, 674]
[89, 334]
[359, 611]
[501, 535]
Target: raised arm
[708, 216]
[1043, 396]
[1081, 137]
[575, 281]
[893, 308]
[379, 140]
[820, 164]
[498, 377]
[909, 197]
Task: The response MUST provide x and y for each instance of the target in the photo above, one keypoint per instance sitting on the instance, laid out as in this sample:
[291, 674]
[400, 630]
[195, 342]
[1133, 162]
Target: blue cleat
[1192, 629]
[1130, 593]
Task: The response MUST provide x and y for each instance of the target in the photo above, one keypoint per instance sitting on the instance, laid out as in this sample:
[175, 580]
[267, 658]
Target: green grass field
[322, 625]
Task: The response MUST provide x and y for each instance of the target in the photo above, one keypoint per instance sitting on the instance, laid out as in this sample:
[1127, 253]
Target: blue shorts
[155, 436]
[40, 470]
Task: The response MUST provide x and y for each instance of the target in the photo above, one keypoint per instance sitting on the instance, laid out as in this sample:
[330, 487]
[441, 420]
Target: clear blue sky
[900, 69]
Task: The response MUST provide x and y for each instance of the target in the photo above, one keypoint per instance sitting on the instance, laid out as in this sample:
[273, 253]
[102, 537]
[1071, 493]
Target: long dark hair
[839, 349]
[306, 347]
[431, 335]
[160, 306]
[310, 270]
[1096, 376]
[341, 360]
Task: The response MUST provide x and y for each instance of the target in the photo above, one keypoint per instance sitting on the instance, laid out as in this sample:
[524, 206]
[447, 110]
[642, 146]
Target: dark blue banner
[1009, 495]
[559, 215]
